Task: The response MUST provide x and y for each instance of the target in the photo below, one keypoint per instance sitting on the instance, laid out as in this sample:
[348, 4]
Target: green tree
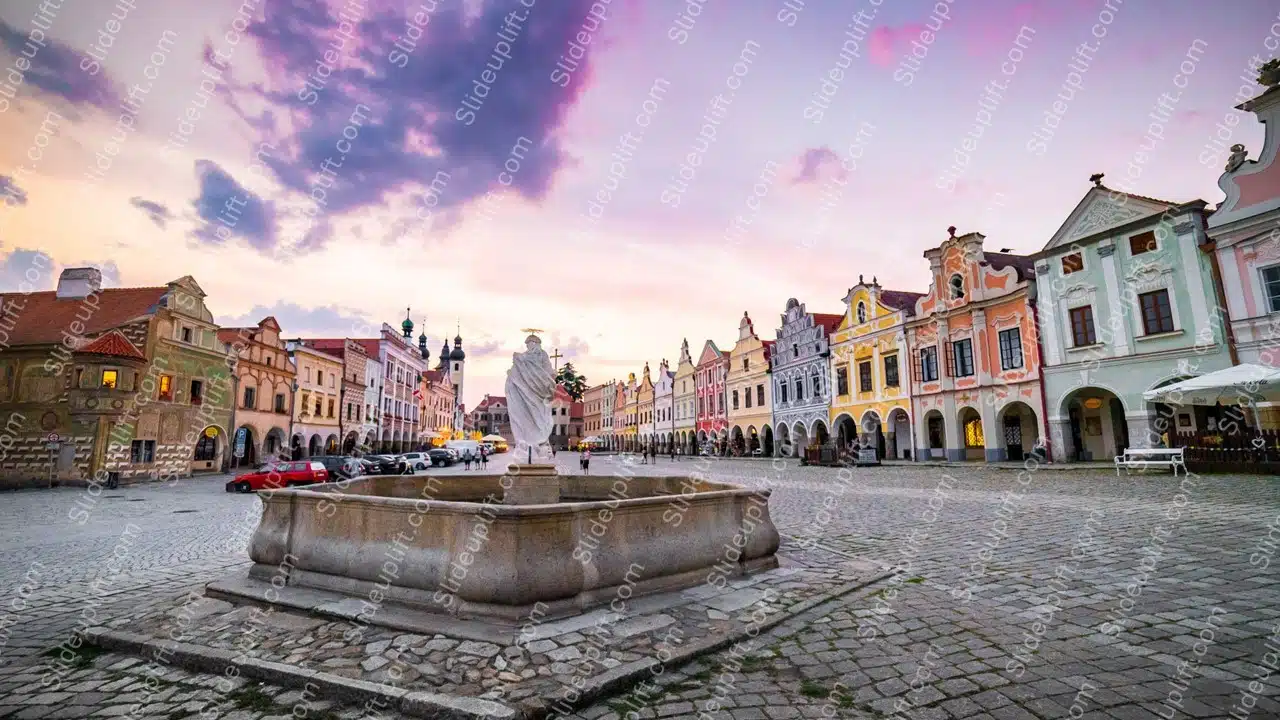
[574, 384]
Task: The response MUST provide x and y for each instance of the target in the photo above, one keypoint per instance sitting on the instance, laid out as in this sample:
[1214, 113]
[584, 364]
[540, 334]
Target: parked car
[282, 474]
[343, 466]
[443, 457]
[387, 464]
[462, 447]
[417, 460]
[488, 447]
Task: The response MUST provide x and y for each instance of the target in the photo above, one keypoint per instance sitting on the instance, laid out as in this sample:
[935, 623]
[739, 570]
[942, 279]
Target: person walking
[466, 459]
[484, 456]
[586, 462]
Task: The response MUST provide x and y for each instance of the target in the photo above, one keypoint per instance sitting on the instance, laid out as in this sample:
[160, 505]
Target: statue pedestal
[536, 484]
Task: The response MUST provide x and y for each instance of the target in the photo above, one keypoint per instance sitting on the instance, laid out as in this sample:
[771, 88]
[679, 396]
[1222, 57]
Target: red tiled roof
[370, 346]
[42, 316]
[562, 394]
[435, 376]
[575, 409]
[491, 400]
[114, 344]
[900, 299]
[830, 321]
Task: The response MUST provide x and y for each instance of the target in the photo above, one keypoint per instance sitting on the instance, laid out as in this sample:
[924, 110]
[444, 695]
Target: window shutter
[917, 367]
[949, 366]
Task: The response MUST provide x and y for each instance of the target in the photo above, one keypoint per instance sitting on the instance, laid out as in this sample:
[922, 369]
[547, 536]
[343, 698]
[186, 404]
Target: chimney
[76, 283]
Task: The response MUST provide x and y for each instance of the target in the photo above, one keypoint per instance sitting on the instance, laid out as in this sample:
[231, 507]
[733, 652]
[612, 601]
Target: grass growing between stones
[251, 697]
[811, 689]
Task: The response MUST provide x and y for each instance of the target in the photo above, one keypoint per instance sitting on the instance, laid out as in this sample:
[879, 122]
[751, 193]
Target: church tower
[457, 364]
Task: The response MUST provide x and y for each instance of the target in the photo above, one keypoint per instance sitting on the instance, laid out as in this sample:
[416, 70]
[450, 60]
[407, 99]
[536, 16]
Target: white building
[370, 428]
[664, 421]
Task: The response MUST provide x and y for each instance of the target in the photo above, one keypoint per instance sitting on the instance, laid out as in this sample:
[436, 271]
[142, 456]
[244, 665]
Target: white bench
[1143, 458]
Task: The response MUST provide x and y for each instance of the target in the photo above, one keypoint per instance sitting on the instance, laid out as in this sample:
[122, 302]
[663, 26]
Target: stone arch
[253, 449]
[209, 448]
[871, 429]
[766, 441]
[331, 444]
[314, 445]
[738, 440]
[821, 434]
[349, 443]
[933, 436]
[1017, 431]
[1092, 426]
[799, 439]
[846, 429]
[973, 433]
[899, 434]
[298, 446]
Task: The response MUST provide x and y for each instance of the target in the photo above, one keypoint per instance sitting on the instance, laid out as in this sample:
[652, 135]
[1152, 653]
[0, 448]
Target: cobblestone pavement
[1046, 595]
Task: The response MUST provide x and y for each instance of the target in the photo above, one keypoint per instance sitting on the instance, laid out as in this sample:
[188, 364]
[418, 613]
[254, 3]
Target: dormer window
[186, 334]
[862, 312]
[957, 287]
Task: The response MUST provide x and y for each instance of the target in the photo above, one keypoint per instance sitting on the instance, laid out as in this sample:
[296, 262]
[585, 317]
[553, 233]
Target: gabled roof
[43, 315]
[900, 299]
[370, 346]
[1102, 208]
[709, 353]
[434, 376]
[490, 400]
[828, 321]
[113, 344]
[562, 395]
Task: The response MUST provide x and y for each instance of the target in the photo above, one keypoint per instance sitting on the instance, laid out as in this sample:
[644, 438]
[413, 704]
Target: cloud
[23, 270]
[487, 348]
[297, 321]
[1188, 117]
[55, 69]
[229, 210]
[816, 164]
[885, 40]
[158, 213]
[413, 125]
[13, 195]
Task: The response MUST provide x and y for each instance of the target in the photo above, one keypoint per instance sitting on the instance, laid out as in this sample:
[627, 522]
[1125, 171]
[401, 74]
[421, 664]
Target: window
[1072, 263]
[795, 350]
[166, 387]
[929, 364]
[1271, 287]
[110, 378]
[864, 376]
[1010, 349]
[319, 377]
[250, 398]
[760, 395]
[1082, 326]
[816, 383]
[746, 394]
[186, 334]
[279, 402]
[891, 371]
[268, 361]
[142, 451]
[350, 411]
[206, 449]
[1142, 243]
[319, 406]
[746, 363]
[957, 287]
[973, 437]
[962, 351]
[799, 388]
[862, 312]
[197, 392]
[782, 391]
[1157, 315]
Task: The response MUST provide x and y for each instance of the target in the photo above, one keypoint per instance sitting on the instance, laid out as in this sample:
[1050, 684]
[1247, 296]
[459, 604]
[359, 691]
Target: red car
[281, 474]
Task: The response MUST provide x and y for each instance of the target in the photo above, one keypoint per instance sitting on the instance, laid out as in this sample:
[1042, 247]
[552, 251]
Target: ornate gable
[709, 353]
[1103, 208]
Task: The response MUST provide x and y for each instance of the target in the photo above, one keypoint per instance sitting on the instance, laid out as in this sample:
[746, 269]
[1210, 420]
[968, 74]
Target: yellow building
[870, 370]
[316, 422]
[750, 393]
[644, 409]
[631, 427]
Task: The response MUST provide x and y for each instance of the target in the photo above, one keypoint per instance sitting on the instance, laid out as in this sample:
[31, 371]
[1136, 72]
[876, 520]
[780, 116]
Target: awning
[1239, 385]
[493, 438]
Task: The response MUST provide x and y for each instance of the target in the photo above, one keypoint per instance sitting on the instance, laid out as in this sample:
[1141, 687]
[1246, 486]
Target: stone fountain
[498, 547]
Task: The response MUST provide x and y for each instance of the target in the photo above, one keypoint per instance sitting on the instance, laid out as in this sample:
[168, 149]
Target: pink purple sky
[503, 253]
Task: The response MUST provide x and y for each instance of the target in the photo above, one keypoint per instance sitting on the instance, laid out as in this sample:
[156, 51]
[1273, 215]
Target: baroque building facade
[664, 408]
[713, 418]
[1242, 233]
[644, 410]
[749, 412]
[800, 359]
[975, 386]
[265, 375]
[1126, 305]
[871, 397]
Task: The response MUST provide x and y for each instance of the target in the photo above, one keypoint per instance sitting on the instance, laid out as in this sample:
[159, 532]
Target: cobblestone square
[1043, 594]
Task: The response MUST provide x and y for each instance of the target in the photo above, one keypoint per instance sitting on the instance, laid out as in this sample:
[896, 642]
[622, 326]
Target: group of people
[480, 457]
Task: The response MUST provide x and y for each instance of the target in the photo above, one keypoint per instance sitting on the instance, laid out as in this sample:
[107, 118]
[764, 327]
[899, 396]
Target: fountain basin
[448, 544]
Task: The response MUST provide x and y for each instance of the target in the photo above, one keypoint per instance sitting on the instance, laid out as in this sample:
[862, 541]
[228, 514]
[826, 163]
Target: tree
[574, 384]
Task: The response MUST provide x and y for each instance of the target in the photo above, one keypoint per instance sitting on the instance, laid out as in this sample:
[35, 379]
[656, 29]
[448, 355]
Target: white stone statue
[531, 384]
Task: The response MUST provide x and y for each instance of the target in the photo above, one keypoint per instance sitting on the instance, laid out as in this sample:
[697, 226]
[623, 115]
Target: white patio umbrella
[493, 438]
[1239, 385]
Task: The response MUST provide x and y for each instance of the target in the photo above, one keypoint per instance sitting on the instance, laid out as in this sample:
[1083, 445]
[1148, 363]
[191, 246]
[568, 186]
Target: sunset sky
[503, 252]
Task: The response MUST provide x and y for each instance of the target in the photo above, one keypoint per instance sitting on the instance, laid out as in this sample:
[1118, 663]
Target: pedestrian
[484, 456]
[466, 459]
[586, 462]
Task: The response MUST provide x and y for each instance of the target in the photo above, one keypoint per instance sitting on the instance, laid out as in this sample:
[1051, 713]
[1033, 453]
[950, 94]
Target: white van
[462, 447]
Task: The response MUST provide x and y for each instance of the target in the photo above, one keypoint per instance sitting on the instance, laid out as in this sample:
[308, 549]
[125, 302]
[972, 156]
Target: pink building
[1247, 243]
[710, 375]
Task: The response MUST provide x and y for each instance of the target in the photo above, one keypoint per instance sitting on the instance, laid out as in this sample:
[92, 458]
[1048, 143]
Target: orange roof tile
[115, 344]
[41, 317]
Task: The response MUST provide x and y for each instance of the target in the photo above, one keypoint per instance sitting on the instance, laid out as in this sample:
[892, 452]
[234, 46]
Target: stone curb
[624, 676]
[425, 704]
[327, 685]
